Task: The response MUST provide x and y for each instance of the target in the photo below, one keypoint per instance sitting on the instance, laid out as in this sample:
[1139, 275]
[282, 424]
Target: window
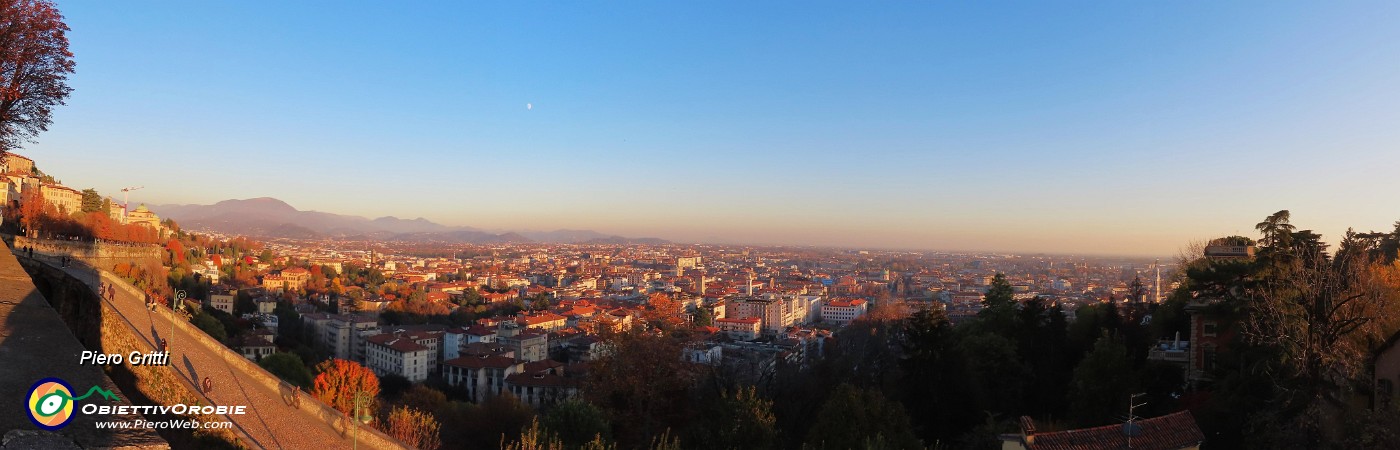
[1385, 389]
[1209, 328]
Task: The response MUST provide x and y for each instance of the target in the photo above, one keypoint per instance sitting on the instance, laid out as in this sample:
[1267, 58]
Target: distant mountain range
[272, 218]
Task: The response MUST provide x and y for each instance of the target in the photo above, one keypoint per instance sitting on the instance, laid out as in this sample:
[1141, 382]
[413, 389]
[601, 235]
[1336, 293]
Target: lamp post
[362, 400]
[177, 302]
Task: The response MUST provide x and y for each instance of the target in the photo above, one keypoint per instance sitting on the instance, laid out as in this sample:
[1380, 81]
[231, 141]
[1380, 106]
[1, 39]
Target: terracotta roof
[481, 330]
[483, 361]
[543, 365]
[541, 380]
[540, 318]
[482, 348]
[1173, 431]
[397, 343]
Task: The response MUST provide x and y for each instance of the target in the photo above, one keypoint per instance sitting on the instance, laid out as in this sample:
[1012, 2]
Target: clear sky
[1099, 127]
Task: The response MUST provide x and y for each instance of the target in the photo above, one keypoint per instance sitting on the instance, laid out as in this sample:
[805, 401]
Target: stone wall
[368, 436]
[97, 254]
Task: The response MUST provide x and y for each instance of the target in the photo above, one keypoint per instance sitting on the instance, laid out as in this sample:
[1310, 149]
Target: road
[270, 421]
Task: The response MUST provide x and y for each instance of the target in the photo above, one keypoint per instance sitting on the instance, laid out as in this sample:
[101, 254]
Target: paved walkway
[270, 422]
[34, 344]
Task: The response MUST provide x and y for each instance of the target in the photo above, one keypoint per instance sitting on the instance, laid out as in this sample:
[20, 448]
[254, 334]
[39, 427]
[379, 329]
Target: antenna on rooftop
[1130, 427]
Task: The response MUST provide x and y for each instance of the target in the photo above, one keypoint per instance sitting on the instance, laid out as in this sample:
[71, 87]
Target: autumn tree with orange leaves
[34, 67]
[413, 427]
[337, 382]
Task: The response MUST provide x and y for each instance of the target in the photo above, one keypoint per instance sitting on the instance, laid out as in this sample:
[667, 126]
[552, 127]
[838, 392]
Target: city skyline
[1127, 129]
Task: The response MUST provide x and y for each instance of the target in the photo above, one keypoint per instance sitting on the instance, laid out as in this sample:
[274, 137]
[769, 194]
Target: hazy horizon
[1125, 129]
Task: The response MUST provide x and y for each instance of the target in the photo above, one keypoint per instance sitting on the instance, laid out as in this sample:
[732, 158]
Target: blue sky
[1101, 127]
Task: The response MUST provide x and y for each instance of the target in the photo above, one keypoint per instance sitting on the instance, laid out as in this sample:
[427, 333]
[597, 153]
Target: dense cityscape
[132, 316]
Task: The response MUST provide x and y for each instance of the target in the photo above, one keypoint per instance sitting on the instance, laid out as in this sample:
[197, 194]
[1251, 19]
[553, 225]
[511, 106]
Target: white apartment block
[392, 354]
[843, 311]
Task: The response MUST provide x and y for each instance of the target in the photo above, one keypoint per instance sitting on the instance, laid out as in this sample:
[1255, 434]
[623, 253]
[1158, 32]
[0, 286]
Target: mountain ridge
[268, 217]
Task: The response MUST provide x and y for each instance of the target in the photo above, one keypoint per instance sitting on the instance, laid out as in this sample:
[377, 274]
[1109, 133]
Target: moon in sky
[529, 106]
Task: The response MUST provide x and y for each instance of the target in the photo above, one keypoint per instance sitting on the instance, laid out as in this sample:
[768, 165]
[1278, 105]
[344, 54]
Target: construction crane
[126, 193]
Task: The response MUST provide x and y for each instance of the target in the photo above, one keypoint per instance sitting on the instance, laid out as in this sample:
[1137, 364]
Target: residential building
[745, 329]
[289, 279]
[14, 163]
[528, 345]
[482, 376]
[842, 312]
[343, 335]
[542, 384]
[222, 297]
[1386, 374]
[394, 354]
[255, 346]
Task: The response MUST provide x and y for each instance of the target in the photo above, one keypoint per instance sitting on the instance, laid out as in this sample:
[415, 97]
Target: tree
[739, 420]
[394, 385]
[413, 427]
[338, 381]
[92, 201]
[34, 67]
[857, 418]
[577, 422]
[1101, 384]
[423, 398]
[1315, 315]
[31, 211]
[288, 367]
[703, 317]
[998, 306]
[535, 437]
[642, 383]
[211, 326]
[937, 385]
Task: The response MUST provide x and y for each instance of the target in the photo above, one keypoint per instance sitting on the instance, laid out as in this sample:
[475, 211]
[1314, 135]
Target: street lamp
[178, 302]
[362, 401]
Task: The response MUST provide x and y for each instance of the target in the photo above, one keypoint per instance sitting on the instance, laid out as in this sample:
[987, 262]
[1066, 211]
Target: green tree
[576, 422]
[703, 317]
[243, 303]
[1101, 384]
[937, 385]
[998, 312]
[423, 398]
[856, 418]
[738, 420]
[996, 371]
[288, 367]
[92, 201]
[210, 326]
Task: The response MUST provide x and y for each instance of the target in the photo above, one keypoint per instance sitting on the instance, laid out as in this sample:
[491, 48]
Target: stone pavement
[271, 421]
[35, 344]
